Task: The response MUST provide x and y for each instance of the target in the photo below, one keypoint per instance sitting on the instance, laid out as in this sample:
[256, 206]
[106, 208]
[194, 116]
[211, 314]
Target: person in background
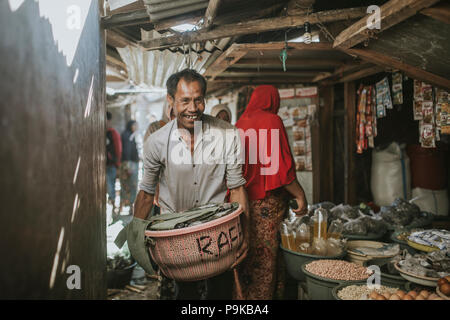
[222, 112]
[129, 167]
[167, 116]
[113, 156]
[262, 275]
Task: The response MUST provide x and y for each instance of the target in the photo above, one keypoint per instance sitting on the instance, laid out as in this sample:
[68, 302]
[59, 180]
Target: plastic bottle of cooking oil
[320, 223]
[303, 239]
[287, 237]
[335, 230]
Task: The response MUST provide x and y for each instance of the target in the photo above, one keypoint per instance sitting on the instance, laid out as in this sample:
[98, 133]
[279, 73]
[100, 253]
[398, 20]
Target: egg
[442, 281]
[387, 295]
[380, 297]
[413, 293]
[408, 297]
[373, 295]
[401, 293]
[420, 297]
[445, 289]
[394, 297]
[432, 296]
[424, 293]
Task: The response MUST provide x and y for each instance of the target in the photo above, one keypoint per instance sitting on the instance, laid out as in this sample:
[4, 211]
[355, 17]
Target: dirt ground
[148, 292]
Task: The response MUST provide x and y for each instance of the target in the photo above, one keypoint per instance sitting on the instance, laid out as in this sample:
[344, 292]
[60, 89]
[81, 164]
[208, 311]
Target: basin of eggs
[402, 295]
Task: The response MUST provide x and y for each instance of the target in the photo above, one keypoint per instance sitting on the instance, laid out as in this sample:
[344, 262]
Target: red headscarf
[260, 114]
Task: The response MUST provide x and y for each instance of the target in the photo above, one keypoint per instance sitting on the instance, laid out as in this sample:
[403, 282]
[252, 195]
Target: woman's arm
[296, 190]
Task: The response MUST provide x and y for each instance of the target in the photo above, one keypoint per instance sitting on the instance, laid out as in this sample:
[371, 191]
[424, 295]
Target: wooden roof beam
[391, 13]
[290, 62]
[361, 74]
[237, 51]
[339, 72]
[211, 12]
[118, 39]
[256, 26]
[258, 80]
[439, 12]
[126, 19]
[411, 71]
[226, 59]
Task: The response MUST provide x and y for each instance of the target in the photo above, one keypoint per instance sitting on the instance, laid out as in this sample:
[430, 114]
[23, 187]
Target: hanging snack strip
[442, 112]
[383, 97]
[432, 111]
[426, 125]
[365, 119]
[397, 88]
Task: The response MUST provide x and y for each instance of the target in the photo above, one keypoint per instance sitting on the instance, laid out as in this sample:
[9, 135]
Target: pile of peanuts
[338, 270]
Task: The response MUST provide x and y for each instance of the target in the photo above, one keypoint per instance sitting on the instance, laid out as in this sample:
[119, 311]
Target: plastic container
[320, 288]
[197, 252]
[403, 244]
[294, 261]
[360, 258]
[428, 167]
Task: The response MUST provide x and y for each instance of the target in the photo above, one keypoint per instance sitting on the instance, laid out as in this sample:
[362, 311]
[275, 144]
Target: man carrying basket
[173, 159]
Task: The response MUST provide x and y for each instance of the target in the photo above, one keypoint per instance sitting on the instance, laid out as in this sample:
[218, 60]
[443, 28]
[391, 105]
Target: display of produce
[435, 264]
[402, 295]
[444, 286]
[338, 270]
[363, 292]
[432, 238]
[191, 217]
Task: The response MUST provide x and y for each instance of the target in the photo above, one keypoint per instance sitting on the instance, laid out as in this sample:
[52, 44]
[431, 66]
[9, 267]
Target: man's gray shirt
[185, 181]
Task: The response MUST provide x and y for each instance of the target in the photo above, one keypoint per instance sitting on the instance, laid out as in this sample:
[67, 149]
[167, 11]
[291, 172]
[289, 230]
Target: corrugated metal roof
[163, 9]
[153, 68]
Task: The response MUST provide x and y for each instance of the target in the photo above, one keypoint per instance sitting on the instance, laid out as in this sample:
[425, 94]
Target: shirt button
[195, 183]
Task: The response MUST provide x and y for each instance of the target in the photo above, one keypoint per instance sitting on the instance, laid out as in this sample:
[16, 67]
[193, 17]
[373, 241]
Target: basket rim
[201, 227]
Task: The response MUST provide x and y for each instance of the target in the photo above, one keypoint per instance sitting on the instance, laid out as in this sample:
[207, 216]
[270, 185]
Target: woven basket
[198, 252]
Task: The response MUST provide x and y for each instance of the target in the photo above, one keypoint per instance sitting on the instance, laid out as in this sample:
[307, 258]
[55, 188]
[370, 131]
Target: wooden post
[349, 142]
[326, 109]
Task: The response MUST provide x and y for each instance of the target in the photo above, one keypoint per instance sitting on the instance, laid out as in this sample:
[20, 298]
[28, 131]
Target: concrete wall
[52, 150]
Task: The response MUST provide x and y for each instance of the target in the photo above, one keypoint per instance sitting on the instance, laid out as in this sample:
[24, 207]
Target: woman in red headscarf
[269, 170]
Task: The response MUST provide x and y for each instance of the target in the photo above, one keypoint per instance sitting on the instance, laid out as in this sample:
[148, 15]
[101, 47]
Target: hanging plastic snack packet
[418, 110]
[397, 88]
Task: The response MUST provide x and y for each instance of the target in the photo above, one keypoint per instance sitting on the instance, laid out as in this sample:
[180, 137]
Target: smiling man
[186, 181]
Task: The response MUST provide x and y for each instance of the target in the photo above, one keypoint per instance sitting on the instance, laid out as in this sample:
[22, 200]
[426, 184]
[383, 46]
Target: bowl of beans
[322, 276]
[359, 291]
